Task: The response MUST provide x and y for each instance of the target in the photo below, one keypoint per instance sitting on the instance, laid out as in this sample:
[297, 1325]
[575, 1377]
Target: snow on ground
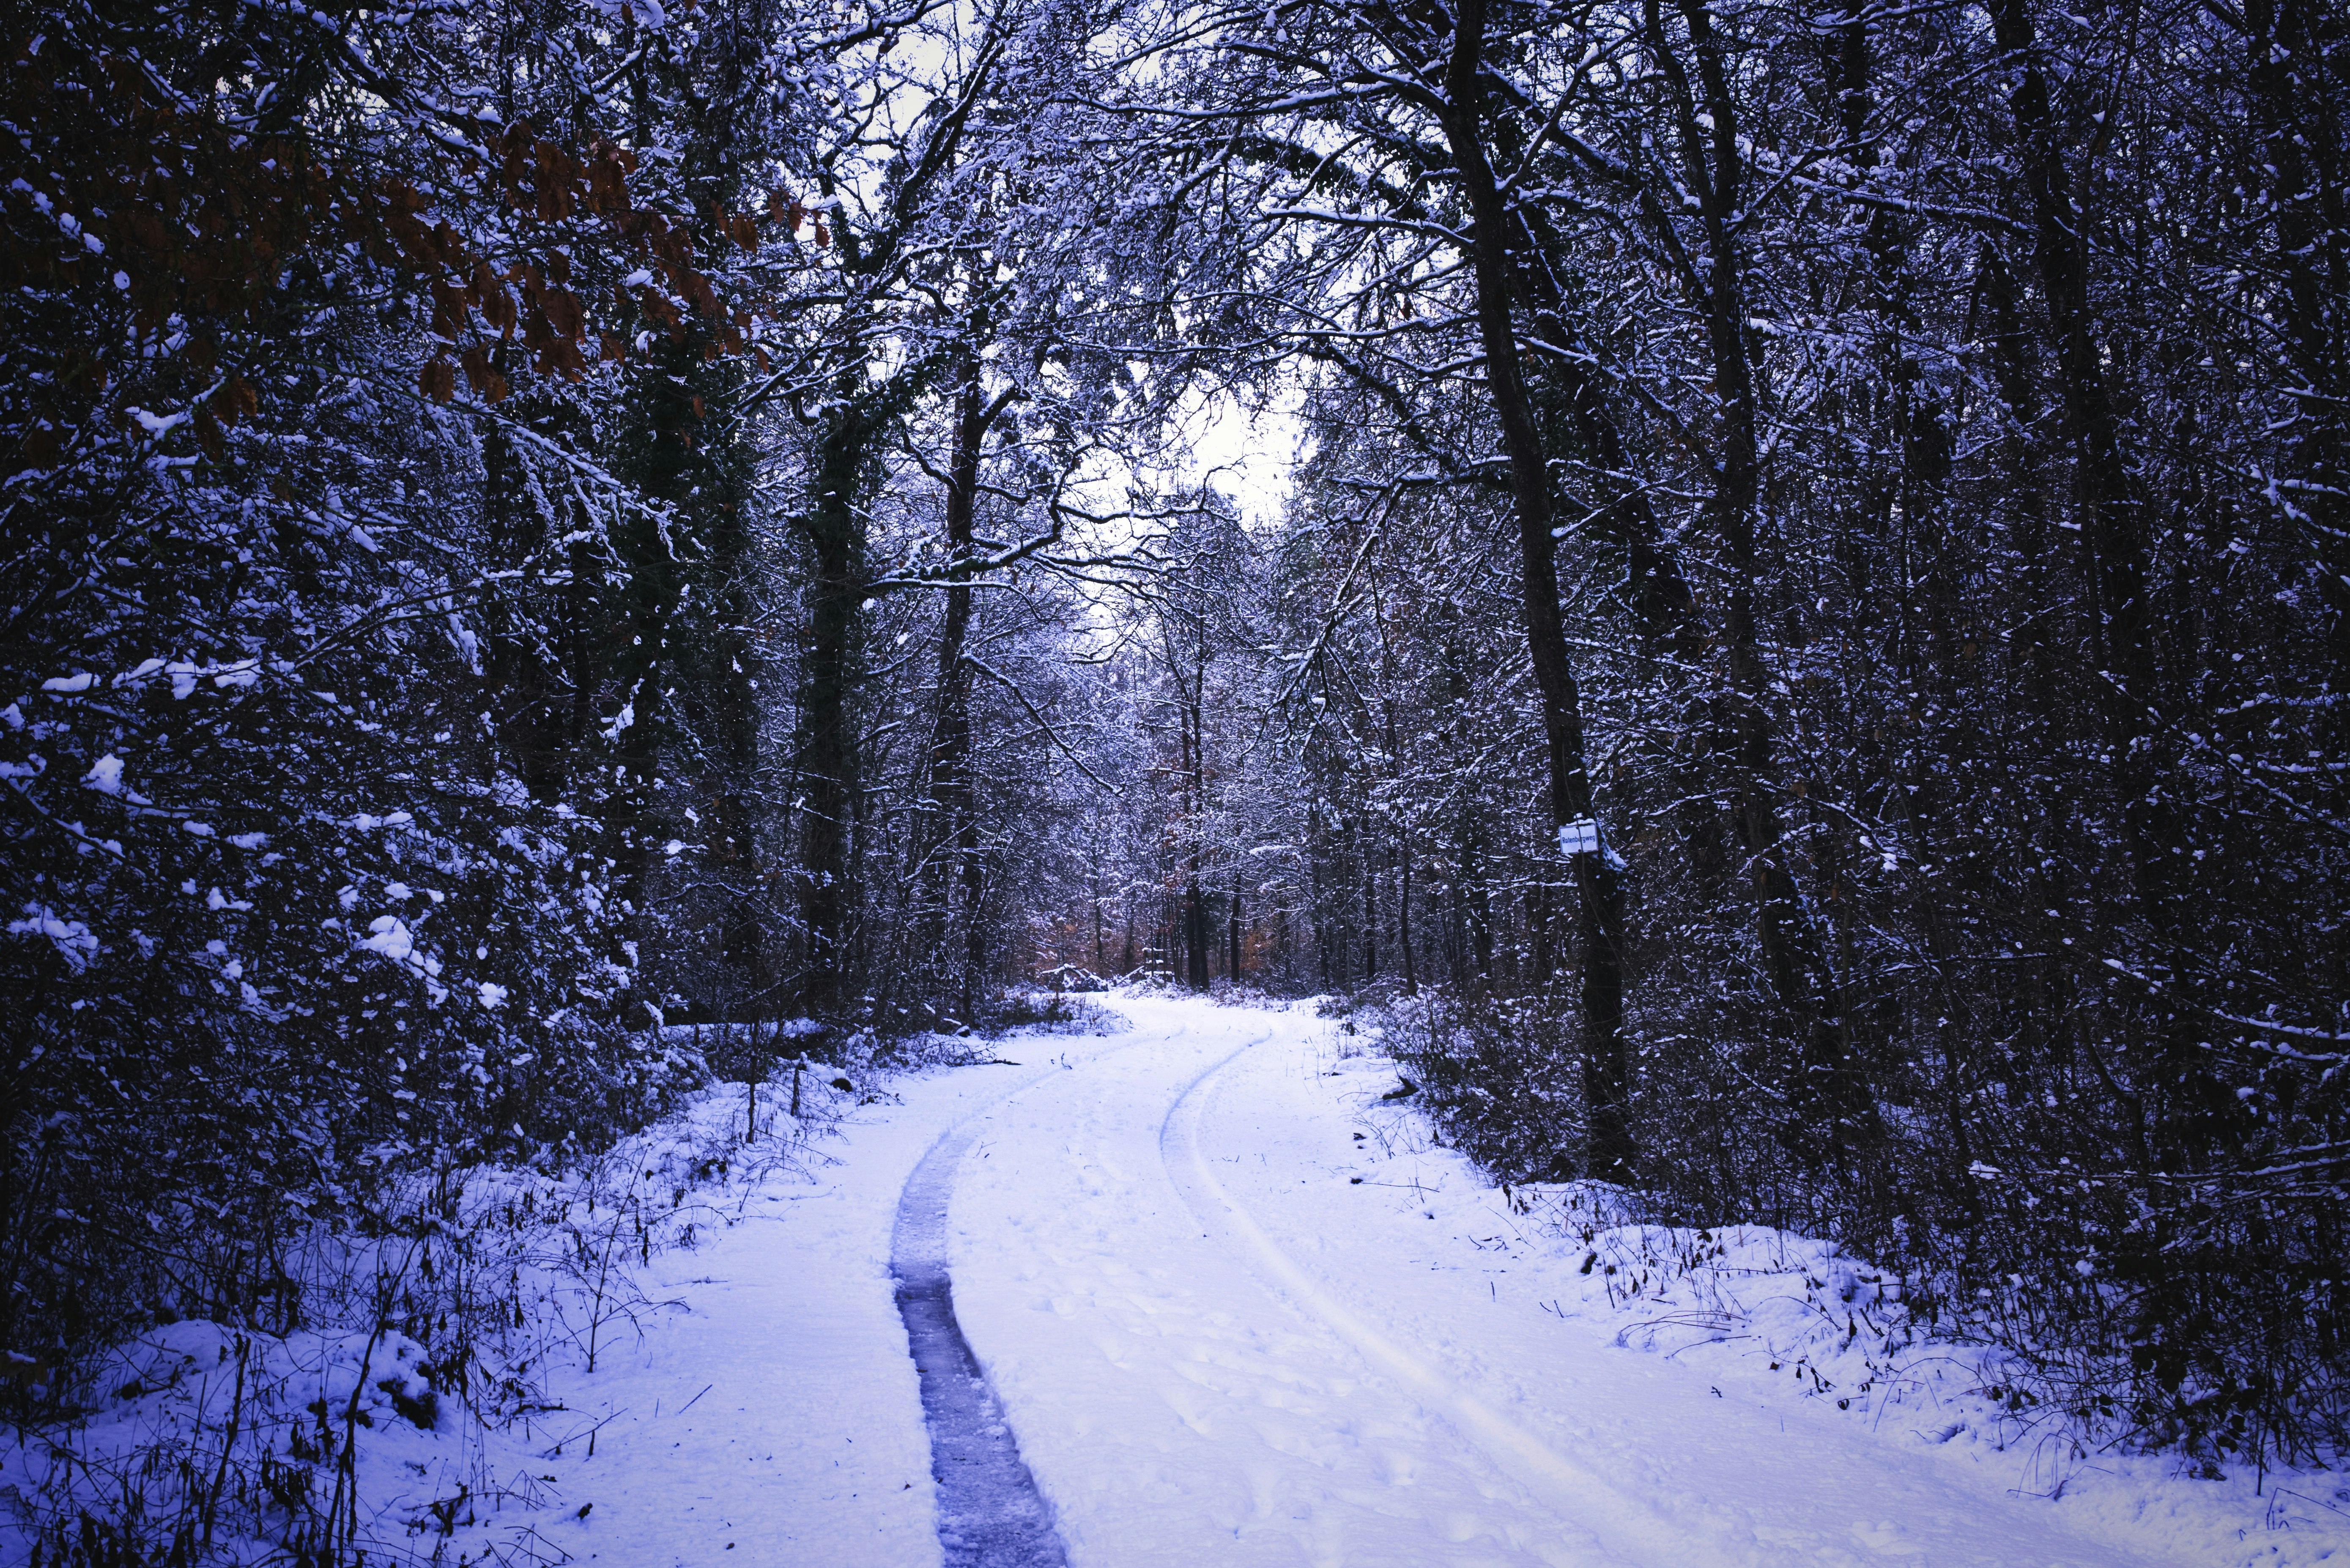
[1764, 1422]
[1229, 1331]
[1239, 1310]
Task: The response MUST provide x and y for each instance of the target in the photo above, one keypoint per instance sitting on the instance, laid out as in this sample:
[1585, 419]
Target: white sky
[1252, 458]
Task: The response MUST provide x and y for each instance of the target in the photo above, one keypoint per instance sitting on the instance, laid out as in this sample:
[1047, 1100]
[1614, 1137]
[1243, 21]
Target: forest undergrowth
[419, 1328]
[1853, 1265]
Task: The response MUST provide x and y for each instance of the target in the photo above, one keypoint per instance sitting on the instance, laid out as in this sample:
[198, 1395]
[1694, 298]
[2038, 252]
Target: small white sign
[1580, 836]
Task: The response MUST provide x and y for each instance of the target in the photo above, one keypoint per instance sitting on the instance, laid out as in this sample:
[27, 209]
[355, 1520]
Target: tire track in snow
[1626, 1529]
[990, 1513]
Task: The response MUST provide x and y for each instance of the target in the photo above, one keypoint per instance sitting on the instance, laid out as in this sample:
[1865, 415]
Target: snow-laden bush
[379, 1399]
[1499, 1076]
[2079, 1305]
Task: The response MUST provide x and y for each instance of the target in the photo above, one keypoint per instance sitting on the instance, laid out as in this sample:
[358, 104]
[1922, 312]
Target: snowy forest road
[1224, 1332]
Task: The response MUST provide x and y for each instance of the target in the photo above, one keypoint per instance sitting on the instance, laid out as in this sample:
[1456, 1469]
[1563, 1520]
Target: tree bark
[1403, 918]
[1233, 959]
[1597, 873]
[826, 760]
[953, 857]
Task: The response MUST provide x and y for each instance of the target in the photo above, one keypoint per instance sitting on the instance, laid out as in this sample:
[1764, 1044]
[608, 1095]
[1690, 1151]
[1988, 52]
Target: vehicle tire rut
[1618, 1529]
[990, 1511]
[990, 1514]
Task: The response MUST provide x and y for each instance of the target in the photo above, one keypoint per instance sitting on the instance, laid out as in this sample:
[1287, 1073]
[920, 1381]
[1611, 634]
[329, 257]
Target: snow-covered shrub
[301, 895]
[406, 1350]
[2080, 1308]
[1047, 1012]
[1500, 1076]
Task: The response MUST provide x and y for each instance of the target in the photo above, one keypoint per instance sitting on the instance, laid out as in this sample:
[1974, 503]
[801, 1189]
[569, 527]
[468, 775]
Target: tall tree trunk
[1195, 928]
[826, 759]
[952, 857]
[2196, 1109]
[525, 663]
[1596, 872]
[1663, 606]
[1403, 916]
[1195, 806]
[2112, 521]
[1232, 958]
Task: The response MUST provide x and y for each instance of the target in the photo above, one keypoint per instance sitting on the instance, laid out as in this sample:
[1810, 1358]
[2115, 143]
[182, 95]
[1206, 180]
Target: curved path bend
[1210, 1345]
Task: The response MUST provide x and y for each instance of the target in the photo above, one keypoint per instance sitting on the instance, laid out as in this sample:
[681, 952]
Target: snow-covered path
[1216, 1347]
[1225, 1329]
